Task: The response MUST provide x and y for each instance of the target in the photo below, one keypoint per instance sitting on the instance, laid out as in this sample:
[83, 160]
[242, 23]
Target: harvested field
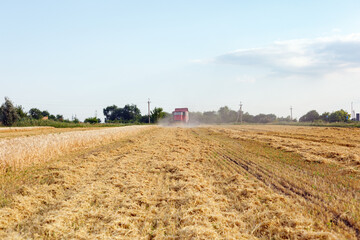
[322, 171]
[339, 146]
[21, 129]
[20, 152]
[224, 182]
[13, 132]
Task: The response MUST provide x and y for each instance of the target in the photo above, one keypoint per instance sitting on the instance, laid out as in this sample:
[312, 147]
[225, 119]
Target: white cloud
[318, 56]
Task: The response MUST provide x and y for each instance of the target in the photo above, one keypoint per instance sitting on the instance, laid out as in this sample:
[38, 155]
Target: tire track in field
[233, 152]
[322, 145]
[291, 189]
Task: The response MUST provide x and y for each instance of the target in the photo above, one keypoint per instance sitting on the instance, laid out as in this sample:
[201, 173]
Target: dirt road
[162, 183]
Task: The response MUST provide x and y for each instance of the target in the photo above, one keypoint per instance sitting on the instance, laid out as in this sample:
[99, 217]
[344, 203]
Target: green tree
[117, 115]
[75, 120]
[157, 114]
[247, 117]
[224, 113]
[196, 117]
[210, 117]
[35, 113]
[108, 111]
[129, 113]
[21, 113]
[8, 113]
[284, 119]
[92, 120]
[144, 119]
[59, 118]
[325, 116]
[311, 116]
[227, 115]
[264, 118]
[45, 113]
[339, 116]
[232, 116]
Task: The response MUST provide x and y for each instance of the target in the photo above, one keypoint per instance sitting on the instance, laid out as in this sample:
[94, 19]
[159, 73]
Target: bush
[92, 120]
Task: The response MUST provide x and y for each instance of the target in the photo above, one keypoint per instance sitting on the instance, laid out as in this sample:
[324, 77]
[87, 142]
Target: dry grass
[304, 164]
[21, 129]
[17, 153]
[13, 132]
[339, 146]
[170, 183]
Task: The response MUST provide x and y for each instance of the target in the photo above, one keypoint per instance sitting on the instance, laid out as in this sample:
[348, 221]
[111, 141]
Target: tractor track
[290, 189]
[230, 152]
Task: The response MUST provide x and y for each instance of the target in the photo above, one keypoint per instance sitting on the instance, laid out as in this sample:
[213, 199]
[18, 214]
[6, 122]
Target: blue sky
[77, 57]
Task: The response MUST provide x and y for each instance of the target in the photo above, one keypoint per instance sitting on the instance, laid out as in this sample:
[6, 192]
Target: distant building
[45, 118]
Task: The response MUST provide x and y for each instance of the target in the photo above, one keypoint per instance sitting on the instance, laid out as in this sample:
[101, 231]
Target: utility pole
[240, 114]
[291, 117]
[149, 109]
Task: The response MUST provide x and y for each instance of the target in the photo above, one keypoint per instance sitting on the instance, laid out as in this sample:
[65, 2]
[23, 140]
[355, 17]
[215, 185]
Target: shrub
[92, 120]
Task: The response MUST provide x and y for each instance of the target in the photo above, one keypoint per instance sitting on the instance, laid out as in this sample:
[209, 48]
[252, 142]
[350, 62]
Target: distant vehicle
[180, 115]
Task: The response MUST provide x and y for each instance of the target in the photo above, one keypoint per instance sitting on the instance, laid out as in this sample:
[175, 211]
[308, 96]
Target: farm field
[209, 182]
[7, 133]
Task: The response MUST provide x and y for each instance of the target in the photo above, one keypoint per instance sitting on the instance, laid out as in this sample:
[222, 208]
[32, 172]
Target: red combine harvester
[180, 115]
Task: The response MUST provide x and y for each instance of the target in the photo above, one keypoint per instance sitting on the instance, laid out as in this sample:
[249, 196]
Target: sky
[78, 57]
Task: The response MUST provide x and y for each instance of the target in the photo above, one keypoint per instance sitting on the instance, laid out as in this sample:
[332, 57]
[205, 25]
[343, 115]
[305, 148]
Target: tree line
[11, 115]
[337, 116]
[130, 113]
[226, 115]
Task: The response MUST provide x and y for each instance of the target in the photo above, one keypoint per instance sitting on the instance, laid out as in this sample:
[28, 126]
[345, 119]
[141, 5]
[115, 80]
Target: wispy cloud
[300, 56]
